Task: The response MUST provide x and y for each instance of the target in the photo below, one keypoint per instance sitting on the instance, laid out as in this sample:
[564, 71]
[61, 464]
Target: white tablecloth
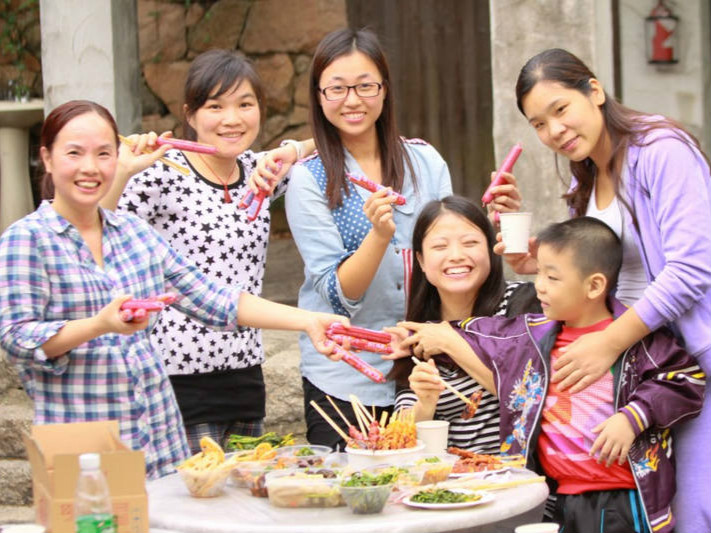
[173, 510]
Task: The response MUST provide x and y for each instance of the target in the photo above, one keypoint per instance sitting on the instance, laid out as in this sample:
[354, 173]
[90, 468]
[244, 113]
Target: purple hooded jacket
[657, 384]
[666, 182]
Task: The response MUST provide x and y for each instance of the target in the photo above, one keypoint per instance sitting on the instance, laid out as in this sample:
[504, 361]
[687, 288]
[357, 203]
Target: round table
[172, 510]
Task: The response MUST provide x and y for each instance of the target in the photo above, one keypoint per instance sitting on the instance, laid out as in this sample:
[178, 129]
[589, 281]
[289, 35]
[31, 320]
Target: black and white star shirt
[190, 213]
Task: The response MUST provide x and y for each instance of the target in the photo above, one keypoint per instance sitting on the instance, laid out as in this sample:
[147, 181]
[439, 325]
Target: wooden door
[440, 57]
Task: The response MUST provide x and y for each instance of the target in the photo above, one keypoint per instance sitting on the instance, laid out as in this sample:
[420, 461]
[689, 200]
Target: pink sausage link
[355, 343]
[371, 186]
[360, 365]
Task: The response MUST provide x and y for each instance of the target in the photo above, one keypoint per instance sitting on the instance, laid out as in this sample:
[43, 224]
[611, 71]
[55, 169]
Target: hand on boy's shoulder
[614, 441]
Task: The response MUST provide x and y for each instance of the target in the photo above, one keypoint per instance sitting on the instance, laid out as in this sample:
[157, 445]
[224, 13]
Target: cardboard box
[54, 450]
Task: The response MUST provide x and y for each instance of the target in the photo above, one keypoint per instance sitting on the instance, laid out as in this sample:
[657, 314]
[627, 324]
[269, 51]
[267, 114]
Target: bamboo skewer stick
[330, 421]
[483, 485]
[343, 417]
[383, 419]
[172, 164]
[359, 419]
[355, 401]
[449, 387]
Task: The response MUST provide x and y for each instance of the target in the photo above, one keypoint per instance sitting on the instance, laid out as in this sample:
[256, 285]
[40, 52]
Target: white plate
[486, 497]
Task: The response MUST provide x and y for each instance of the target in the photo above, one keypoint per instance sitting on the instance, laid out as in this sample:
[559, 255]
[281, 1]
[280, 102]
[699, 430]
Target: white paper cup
[539, 527]
[515, 229]
[433, 433]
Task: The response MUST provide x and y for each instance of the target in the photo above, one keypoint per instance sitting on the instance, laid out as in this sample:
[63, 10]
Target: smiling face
[567, 121]
[229, 121]
[455, 257]
[82, 163]
[354, 116]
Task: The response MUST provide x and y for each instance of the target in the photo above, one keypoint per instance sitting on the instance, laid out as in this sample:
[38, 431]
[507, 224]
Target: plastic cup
[433, 433]
[539, 527]
[515, 229]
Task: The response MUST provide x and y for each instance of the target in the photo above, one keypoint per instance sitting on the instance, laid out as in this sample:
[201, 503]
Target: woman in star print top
[355, 245]
[217, 376]
[66, 269]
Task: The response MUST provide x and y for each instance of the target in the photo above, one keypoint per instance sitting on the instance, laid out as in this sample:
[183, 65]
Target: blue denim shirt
[326, 238]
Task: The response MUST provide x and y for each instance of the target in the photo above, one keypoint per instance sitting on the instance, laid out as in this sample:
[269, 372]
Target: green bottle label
[96, 523]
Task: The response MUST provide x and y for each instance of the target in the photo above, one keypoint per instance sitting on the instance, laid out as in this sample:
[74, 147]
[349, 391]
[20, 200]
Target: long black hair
[393, 156]
[424, 303]
[624, 126]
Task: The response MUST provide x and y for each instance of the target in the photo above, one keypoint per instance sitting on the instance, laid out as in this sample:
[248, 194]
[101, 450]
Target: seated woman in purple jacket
[608, 448]
[646, 177]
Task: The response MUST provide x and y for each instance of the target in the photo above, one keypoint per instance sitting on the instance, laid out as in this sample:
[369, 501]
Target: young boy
[581, 440]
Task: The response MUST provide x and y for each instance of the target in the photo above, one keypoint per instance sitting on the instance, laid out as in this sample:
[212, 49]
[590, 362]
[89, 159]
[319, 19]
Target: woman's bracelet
[297, 146]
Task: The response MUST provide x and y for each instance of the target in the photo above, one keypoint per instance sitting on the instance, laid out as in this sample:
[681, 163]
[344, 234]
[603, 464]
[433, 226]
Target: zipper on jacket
[618, 379]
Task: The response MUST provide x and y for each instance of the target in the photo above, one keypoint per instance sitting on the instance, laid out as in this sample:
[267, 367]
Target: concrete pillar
[519, 30]
[90, 51]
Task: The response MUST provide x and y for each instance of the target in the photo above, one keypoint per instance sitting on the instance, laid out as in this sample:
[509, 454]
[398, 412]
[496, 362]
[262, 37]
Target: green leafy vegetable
[245, 442]
[444, 496]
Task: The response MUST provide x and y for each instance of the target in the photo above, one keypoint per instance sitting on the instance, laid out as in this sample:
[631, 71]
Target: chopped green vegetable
[366, 479]
[305, 451]
[444, 496]
[245, 442]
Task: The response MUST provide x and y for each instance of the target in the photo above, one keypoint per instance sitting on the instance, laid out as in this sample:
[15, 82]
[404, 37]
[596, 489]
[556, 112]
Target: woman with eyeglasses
[356, 244]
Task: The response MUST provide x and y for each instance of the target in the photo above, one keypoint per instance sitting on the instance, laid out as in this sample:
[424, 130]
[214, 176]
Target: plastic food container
[359, 458]
[205, 483]
[303, 488]
[302, 456]
[252, 475]
[366, 500]
[434, 468]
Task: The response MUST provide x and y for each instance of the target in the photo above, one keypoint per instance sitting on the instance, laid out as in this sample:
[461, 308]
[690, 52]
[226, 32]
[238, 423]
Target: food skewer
[343, 417]
[165, 160]
[449, 387]
[330, 421]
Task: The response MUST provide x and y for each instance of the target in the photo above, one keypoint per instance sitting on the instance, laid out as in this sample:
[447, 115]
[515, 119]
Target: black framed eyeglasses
[340, 92]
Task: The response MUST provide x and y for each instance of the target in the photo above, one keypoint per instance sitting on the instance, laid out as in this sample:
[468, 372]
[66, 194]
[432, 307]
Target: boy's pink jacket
[657, 384]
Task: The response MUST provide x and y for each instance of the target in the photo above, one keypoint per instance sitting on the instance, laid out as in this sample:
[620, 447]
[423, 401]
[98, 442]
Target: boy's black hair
[595, 247]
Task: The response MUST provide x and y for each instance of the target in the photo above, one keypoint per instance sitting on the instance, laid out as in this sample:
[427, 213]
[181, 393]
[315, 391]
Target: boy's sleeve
[670, 390]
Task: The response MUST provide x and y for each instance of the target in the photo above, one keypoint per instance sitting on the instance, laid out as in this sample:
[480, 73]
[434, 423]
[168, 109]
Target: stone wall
[279, 36]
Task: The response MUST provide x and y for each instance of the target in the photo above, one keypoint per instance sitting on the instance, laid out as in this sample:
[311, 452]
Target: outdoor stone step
[8, 375]
[15, 418]
[15, 482]
[16, 514]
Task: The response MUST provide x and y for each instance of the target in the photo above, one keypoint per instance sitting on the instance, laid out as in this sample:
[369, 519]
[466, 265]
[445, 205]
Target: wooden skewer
[448, 386]
[358, 405]
[470, 483]
[172, 164]
[359, 419]
[343, 417]
[330, 421]
[383, 419]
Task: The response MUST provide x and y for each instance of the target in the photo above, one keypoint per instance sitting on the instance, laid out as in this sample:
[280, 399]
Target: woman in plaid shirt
[66, 269]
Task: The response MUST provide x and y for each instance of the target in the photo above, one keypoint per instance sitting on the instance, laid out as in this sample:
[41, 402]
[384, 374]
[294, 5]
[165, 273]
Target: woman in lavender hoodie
[647, 178]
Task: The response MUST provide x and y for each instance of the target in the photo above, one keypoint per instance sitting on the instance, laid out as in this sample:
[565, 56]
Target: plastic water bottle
[92, 504]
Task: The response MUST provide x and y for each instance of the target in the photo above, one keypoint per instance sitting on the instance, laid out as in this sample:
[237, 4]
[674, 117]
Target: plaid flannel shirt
[49, 277]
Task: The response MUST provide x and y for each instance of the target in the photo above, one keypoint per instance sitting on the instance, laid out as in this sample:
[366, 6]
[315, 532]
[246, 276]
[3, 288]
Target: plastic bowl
[434, 468]
[205, 483]
[359, 458]
[303, 488]
[366, 500]
[252, 475]
[302, 456]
